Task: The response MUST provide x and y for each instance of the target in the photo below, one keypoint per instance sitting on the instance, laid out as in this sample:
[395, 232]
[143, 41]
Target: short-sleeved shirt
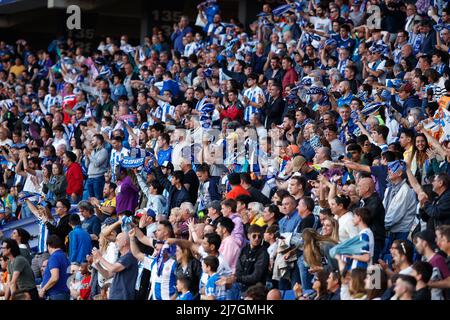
[185, 296]
[163, 282]
[122, 287]
[164, 155]
[58, 260]
[92, 225]
[212, 289]
[25, 282]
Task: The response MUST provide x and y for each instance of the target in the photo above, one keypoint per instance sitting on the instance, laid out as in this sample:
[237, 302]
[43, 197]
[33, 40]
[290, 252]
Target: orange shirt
[237, 191]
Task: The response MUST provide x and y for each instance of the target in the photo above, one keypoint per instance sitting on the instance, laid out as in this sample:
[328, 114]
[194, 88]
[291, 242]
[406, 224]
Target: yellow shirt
[109, 203]
[17, 70]
[407, 153]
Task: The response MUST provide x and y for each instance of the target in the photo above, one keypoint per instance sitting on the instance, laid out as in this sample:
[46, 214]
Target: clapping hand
[422, 197]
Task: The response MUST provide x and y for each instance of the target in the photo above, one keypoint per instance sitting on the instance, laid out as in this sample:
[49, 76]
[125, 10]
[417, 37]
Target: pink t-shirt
[230, 251]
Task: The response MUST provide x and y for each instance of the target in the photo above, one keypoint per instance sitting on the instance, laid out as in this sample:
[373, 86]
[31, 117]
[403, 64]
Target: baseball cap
[294, 148]
[298, 162]
[150, 212]
[215, 204]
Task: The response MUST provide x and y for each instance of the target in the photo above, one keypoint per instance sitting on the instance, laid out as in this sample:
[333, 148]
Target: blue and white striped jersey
[365, 235]
[50, 101]
[114, 160]
[42, 238]
[166, 109]
[252, 94]
[163, 286]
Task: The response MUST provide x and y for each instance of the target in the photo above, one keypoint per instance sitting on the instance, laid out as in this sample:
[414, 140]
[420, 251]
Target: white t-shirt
[111, 255]
[6, 142]
[57, 142]
[346, 228]
[321, 24]
[30, 186]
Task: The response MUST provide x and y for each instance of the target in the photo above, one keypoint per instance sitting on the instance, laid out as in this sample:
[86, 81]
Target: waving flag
[439, 128]
[349, 247]
[279, 11]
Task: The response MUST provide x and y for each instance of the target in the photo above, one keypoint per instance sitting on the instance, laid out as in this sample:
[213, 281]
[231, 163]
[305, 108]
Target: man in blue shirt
[91, 223]
[54, 282]
[179, 31]
[165, 150]
[343, 39]
[80, 243]
[291, 219]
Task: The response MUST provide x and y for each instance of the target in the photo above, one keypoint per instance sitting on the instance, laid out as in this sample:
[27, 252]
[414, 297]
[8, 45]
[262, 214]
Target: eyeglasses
[256, 236]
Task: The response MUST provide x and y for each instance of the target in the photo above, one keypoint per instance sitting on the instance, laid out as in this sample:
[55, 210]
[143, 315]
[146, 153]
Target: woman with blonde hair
[353, 286]
[316, 251]
[109, 251]
[330, 228]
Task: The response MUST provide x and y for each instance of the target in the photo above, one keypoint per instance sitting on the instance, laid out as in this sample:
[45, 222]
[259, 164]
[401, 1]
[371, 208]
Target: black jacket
[274, 111]
[193, 272]
[252, 266]
[437, 213]
[176, 197]
[377, 212]
[258, 196]
[62, 229]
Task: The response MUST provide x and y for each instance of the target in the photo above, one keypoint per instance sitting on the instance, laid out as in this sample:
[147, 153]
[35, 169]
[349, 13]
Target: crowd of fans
[303, 156]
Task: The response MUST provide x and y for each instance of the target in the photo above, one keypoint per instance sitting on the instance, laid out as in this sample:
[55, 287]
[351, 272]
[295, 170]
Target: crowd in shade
[302, 156]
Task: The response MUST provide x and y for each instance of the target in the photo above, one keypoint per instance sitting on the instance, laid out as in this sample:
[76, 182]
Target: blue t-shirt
[164, 155]
[122, 287]
[186, 296]
[212, 289]
[57, 260]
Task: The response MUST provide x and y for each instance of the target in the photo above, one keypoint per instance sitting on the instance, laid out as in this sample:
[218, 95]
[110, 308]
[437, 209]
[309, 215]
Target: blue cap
[151, 213]
[397, 165]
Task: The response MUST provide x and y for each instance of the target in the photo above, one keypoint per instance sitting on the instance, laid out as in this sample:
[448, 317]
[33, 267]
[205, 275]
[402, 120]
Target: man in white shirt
[320, 21]
[4, 140]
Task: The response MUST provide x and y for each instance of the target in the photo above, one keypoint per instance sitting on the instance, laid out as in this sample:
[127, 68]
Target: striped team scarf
[32, 196]
[167, 251]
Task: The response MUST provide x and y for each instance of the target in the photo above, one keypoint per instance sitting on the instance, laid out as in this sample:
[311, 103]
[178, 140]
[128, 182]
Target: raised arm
[134, 247]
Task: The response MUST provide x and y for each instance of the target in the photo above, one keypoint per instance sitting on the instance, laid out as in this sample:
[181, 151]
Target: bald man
[274, 294]
[372, 201]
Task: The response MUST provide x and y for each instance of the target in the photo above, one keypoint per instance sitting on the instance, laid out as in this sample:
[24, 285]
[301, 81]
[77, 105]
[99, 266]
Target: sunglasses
[256, 236]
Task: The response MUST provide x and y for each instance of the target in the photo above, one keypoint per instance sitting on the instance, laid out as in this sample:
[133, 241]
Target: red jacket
[232, 112]
[290, 77]
[74, 177]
